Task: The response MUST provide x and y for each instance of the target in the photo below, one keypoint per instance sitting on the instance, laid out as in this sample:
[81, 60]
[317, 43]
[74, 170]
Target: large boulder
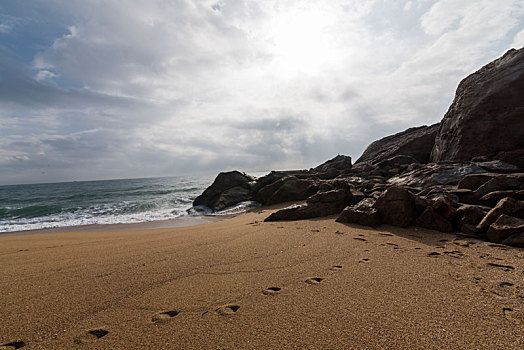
[362, 213]
[430, 219]
[504, 227]
[229, 188]
[486, 116]
[414, 142]
[287, 189]
[397, 207]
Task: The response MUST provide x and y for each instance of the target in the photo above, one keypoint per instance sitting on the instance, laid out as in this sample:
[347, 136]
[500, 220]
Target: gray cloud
[184, 87]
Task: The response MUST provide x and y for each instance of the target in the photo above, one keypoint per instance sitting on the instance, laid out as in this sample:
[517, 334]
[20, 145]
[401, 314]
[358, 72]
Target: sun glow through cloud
[303, 41]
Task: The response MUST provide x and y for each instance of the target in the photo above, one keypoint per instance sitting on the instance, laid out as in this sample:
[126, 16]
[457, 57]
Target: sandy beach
[242, 283]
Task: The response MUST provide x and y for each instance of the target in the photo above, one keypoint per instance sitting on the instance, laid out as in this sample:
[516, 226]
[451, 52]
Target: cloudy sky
[119, 89]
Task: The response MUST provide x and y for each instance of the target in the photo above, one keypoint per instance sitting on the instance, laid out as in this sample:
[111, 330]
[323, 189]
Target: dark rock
[472, 214]
[355, 196]
[501, 183]
[292, 189]
[515, 157]
[474, 181]
[362, 213]
[515, 240]
[508, 206]
[444, 204]
[364, 168]
[340, 163]
[464, 195]
[485, 117]
[231, 197]
[468, 229]
[396, 207]
[499, 166]
[239, 185]
[397, 161]
[264, 193]
[436, 174]
[420, 205]
[494, 197]
[431, 220]
[504, 227]
[318, 205]
[480, 159]
[414, 142]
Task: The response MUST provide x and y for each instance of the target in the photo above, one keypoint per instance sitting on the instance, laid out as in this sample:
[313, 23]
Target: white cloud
[207, 85]
[518, 41]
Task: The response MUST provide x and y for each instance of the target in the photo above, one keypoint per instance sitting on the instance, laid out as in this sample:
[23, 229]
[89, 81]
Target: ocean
[51, 205]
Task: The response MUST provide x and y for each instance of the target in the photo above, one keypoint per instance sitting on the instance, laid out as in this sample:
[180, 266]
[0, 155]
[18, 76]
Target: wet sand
[245, 284]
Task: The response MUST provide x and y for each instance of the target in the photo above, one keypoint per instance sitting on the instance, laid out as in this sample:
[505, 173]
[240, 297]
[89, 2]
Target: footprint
[336, 267]
[164, 316]
[360, 239]
[91, 336]
[506, 284]
[271, 291]
[13, 345]
[385, 234]
[339, 232]
[315, 230]
[512, 316]
[504, 267]
[434, 254]
[363, 260]
[227, 309]
[454, 254]
[392, 244]
[314, 280]
[494, 245]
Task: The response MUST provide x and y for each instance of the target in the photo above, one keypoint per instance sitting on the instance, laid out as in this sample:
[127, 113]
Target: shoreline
[182, 221]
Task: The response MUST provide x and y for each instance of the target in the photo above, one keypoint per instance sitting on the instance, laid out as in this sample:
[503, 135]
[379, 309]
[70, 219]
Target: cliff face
[487, 114]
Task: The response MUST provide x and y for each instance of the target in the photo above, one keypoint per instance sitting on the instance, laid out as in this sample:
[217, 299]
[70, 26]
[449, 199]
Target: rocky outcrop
[228, 189]
[486, 116]
[414, 142]
[475, 184]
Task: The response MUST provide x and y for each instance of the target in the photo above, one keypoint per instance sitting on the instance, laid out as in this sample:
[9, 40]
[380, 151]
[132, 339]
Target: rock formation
[486, 116]
[474, 186]
[414, 142]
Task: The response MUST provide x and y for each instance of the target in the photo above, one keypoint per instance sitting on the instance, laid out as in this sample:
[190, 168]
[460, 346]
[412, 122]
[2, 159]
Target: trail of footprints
[502, 289]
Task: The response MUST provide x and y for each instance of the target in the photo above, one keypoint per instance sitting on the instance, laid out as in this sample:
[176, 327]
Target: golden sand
[246, 284]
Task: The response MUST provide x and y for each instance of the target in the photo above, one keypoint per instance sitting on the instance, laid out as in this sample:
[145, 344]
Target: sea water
[37, 206]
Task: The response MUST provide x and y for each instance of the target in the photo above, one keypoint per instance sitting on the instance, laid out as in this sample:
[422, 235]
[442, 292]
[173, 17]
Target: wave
[32, 211]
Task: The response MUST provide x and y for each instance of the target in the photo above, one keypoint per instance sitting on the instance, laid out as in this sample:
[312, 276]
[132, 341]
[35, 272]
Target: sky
[122, 89]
